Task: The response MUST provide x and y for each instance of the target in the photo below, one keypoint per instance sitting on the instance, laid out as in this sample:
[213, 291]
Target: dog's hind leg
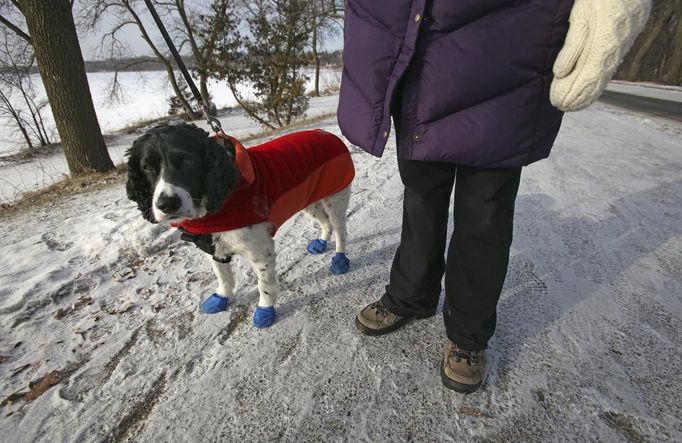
[317, 212]
[336, 207]
[219, 300]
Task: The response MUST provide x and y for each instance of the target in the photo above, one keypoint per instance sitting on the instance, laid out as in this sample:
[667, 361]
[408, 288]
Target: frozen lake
[145, 96]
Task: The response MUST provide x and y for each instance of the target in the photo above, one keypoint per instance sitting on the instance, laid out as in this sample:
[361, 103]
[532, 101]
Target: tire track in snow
[87, 382]
[135, 420]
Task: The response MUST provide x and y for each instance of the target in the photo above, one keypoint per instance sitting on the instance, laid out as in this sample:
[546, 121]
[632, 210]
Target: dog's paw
[264, 317]
[340, 264]
[317, 246]
[214, 304]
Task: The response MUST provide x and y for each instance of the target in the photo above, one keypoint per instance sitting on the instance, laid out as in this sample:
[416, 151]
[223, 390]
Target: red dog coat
[278, 179]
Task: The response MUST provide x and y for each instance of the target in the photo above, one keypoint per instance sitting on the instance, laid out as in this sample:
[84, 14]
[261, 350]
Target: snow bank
[649, 90]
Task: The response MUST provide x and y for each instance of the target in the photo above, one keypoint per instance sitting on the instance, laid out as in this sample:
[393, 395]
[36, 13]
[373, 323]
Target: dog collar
[241, 159]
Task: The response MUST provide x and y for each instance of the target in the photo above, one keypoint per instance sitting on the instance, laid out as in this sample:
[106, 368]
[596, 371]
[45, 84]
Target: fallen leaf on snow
[123, 275]
[38, 387]
[473, 412]
[13, 397]
[80, 303]
[127, 306]
[3, 358]
[83, 301]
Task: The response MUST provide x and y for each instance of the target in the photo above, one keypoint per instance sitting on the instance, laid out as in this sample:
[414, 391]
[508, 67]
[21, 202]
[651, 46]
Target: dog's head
[176, 172]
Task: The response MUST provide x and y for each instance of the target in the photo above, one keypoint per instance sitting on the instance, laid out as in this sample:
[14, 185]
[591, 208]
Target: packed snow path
[587, 346]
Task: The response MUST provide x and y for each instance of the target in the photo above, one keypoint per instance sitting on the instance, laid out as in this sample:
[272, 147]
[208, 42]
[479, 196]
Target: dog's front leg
[220, 300]
[262, 256]
[223, 272]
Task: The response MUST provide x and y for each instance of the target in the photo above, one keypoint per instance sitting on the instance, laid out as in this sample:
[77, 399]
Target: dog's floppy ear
[221, 174]
[137, 187]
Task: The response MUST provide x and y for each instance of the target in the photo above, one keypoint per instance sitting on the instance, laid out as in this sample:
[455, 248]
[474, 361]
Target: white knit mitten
[601, 33]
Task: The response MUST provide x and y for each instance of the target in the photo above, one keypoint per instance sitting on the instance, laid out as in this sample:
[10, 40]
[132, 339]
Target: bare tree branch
[15, 29]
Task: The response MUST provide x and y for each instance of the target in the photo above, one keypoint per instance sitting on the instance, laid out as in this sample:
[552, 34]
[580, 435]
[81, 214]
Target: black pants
[478, 254]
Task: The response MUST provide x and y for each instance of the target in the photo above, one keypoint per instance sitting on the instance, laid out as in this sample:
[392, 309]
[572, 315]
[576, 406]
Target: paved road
[656, 107]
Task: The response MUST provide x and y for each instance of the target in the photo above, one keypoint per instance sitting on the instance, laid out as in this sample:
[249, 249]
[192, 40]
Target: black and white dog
[178, 173]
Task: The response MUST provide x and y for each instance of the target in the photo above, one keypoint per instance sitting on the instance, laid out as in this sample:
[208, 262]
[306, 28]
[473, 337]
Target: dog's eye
[148, 168]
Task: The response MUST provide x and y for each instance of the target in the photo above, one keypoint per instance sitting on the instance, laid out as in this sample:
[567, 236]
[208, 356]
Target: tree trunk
[647, 39]
[317, 61]
[673, 66]
[60, 61]
[203, 88]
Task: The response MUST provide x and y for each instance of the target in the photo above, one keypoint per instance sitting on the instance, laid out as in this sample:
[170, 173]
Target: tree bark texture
[62, 70]
[656, 55]
[672, 69]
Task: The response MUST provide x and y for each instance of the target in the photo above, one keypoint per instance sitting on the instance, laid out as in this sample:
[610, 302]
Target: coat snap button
[417, 17]
[417, 137]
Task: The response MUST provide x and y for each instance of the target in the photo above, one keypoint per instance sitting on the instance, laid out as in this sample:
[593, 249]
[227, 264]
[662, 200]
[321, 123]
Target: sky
[130, 34]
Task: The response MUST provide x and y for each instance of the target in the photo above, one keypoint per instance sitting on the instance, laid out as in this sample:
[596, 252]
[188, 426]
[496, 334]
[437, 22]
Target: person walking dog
[477, 90]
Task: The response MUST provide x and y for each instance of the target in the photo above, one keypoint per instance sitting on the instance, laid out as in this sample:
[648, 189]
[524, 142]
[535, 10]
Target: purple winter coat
[475, 78]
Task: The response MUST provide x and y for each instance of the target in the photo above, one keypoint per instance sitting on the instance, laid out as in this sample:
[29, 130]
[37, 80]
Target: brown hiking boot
[462, 371]
[375, 319]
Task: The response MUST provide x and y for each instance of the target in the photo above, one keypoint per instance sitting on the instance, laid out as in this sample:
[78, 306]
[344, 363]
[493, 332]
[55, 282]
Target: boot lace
[471, 357]
[380, 309]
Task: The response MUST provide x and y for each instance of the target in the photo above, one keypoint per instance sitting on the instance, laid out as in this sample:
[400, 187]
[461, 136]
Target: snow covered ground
[587, 346]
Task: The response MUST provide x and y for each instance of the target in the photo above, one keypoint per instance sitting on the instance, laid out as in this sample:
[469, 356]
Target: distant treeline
[152, 64]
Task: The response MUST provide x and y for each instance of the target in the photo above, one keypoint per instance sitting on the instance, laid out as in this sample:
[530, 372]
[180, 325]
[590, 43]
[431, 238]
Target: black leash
[213, 122]
[203, 242]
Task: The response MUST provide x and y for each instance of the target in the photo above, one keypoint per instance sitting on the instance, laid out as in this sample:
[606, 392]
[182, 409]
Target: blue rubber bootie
[264, 317]
[317, 246]
[340, 264]
[215, 303]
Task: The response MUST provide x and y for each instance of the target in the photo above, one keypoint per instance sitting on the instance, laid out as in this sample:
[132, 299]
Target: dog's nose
[168, 203]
